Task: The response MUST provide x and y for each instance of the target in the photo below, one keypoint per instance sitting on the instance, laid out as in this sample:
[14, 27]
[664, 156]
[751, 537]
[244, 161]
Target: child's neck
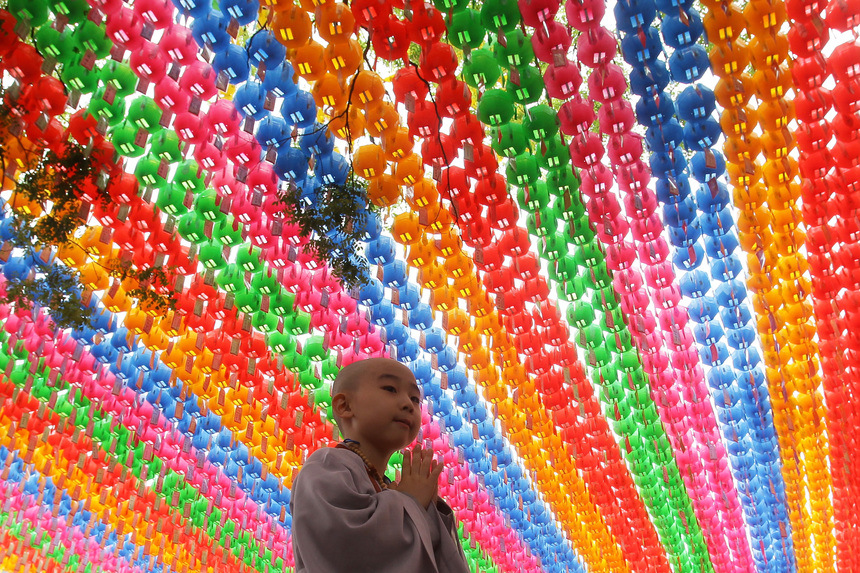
[377, 457]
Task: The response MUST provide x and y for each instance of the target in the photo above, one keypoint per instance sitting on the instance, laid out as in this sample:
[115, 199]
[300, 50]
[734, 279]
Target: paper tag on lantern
[222, 81]
[468, 151]
[233, 28]
[503, 40]
[147, 31]
[141, 137]
[88, 60]
[48, 65]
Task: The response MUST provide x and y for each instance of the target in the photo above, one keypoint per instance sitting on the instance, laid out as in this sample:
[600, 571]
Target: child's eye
[416, 399]
[389, 388]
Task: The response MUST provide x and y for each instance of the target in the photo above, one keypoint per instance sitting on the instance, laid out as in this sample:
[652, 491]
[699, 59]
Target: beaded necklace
[374, 474]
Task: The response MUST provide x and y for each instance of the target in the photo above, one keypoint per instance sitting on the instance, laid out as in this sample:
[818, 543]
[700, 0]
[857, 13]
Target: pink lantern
[551, 41]
[159, 13]
[191, 128]
[596, 46]
[199, 80]
[585, 14]
[562, 82]
[536, 12]
[148, 62]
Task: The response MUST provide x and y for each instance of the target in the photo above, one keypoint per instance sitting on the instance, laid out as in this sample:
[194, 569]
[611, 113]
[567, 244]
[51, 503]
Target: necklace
[353, 446]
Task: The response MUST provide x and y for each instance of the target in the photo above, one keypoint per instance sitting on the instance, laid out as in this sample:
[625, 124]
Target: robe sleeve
[450, 557]
[340, 523]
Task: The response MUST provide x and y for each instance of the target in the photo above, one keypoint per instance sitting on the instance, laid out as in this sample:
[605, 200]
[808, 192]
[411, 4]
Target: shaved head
[351, 377]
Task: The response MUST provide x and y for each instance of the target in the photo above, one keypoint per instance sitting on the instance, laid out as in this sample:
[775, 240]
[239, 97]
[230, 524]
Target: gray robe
[341, 524]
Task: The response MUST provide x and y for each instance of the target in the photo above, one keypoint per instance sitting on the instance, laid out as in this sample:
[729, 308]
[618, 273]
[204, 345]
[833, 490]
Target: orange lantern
[328, 93]
[348, 126]
[292, 27]
[344, 59]
[423, 191]
[309, 61]
[369, 161]
[406, 228]
[367, 90]
[335, 22]
[397, 144]
[409, 171]
[383, 191]
[381, 119]
[420, 254]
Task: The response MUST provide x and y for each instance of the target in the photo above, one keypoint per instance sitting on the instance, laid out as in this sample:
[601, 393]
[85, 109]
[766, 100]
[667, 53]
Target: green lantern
[144, 112]
[601, 278]
[206, 204]
[231, 278]
[555, 246]
[192, 227]
[79, 77]
[564, 269]
[541, 123]
[495, 108]
[589, 256]
[523, 171]
[573, 289]
[128, 139]
[36, 11]
[500, 15]
[526, 86]
[580, 230]
[265, 282]
[567, 208]
[52, 43]
[265, 322]
[147, 172]
[211, 255]
[282, 342]
[481, 69]
[249, 259]
[509, 140]
[121, 77]
[298, 324]
[171, 199]
[581, 314]
[315, 349]
[74, 10]
[228, 231]
[107, 105]
[188, 175]
[166, 145]
[248, 301]
[562, 179]
[541, 223]
[295, 362]
[465, 30]
[554, 155]
[515, 50]
[447, 6]
[282, 303]
[534, 196]
[330, 368]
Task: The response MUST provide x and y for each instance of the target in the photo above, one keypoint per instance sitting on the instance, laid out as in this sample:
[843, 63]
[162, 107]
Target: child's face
[386, 406]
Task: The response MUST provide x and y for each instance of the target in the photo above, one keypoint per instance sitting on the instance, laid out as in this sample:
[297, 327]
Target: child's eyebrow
[394, 377]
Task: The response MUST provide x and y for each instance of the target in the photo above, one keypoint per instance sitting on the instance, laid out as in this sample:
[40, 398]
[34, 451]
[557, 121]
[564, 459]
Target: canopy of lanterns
[626, 280]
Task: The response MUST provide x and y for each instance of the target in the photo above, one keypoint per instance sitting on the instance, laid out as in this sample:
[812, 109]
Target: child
[347, 517]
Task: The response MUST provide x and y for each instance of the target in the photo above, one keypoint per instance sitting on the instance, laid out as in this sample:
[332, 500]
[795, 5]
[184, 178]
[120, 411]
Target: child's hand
[419, 476]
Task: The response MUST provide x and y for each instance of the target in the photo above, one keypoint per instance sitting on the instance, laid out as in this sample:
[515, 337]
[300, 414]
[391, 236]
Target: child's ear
[340, 406]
